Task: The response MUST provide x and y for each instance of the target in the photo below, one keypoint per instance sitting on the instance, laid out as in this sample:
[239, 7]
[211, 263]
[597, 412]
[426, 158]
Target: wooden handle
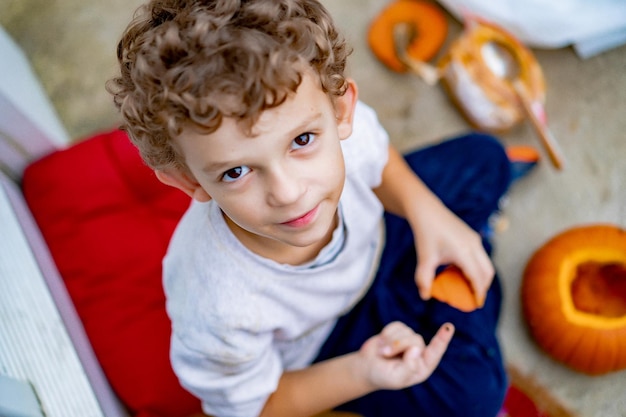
[403, 34]
[545, 135]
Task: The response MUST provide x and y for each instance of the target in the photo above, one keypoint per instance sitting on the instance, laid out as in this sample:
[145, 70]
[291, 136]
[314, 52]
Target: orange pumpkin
[574, 298]
[428, 22]
[452, 287]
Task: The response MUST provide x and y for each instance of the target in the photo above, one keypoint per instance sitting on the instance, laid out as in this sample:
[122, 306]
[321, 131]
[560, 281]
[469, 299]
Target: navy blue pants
[469, 174]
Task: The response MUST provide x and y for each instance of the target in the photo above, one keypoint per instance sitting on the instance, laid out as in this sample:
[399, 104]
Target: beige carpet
[71, 44]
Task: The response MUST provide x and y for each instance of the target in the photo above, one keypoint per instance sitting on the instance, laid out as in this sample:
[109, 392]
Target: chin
[315, 236]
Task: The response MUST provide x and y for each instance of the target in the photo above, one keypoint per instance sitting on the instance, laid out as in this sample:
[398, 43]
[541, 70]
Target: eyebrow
[225, 165]
[218, 167]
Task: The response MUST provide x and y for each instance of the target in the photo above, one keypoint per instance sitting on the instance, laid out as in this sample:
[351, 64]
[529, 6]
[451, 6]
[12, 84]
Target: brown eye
[303, 140]
[235, 173]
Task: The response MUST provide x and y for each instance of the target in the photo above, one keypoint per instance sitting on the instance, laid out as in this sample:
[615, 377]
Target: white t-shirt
[239, 320]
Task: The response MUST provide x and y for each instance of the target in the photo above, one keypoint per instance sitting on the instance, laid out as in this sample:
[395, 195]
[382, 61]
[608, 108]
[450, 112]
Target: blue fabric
[469, 174]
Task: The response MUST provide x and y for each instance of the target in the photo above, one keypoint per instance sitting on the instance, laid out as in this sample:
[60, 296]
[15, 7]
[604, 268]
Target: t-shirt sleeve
[366, 151]
[233, 372]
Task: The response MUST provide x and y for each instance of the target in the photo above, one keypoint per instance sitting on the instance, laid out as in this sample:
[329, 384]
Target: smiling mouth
[303, 220]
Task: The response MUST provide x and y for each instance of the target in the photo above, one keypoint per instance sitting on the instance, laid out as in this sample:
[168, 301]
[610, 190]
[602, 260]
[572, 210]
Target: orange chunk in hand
[453, 288]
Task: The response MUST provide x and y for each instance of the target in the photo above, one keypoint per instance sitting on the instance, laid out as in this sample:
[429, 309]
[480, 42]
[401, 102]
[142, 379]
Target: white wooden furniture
[42, 341]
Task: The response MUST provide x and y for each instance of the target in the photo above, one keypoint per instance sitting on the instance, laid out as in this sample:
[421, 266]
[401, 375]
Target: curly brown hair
[190, 63]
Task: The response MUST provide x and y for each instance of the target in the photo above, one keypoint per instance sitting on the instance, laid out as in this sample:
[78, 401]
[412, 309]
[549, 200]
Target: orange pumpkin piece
[429, 22]
[452, 287]
[522, 153]
[574, 298]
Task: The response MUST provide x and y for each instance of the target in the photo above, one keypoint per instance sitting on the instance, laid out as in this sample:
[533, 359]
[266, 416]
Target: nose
[283, 188]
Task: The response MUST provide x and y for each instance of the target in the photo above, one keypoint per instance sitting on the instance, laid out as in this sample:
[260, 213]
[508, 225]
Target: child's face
[279, 186]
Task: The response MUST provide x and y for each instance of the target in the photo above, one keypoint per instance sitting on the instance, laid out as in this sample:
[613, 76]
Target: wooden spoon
[506, 66]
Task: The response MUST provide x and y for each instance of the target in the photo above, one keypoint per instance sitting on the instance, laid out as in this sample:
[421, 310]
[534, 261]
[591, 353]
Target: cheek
[338, 177]
[247, 216]
[330, 180]
[334, 172]
[241, 208]
[330, 164]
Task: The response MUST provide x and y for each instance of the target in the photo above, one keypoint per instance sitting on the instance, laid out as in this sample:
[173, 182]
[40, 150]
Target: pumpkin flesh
[453, 288]
[583, 290]
[600, 289]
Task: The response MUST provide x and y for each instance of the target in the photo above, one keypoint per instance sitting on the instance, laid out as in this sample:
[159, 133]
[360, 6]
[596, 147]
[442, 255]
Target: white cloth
[240, 320]
[591, 26]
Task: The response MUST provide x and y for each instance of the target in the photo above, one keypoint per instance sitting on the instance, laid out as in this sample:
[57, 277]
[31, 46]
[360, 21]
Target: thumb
[424, 275]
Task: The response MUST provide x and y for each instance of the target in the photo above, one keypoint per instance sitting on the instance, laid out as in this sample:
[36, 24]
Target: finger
[424, 275]
[480, 273]
[397, 337]
[411, 357]
[387, 337]
[434, 351]
[399, 346]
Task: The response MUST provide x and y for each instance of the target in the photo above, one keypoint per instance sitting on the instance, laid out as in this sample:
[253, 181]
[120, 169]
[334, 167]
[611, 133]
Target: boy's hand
[397, 357]
[443, 238]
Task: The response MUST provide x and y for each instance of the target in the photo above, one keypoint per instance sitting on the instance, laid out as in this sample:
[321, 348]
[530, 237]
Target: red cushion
[107, 221]
[518, 404]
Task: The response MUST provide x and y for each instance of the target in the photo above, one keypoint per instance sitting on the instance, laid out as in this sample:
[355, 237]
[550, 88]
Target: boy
[282, 299]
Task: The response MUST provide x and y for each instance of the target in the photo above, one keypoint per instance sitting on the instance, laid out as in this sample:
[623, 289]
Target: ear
[344, 109]
[184, 182]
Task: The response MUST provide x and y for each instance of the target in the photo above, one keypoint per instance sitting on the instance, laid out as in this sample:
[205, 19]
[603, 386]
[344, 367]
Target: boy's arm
[441, 236]
[318, 388]
[395, 358]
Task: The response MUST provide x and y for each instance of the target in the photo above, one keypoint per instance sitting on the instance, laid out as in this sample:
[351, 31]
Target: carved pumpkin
[574, 298]
[473, 74]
